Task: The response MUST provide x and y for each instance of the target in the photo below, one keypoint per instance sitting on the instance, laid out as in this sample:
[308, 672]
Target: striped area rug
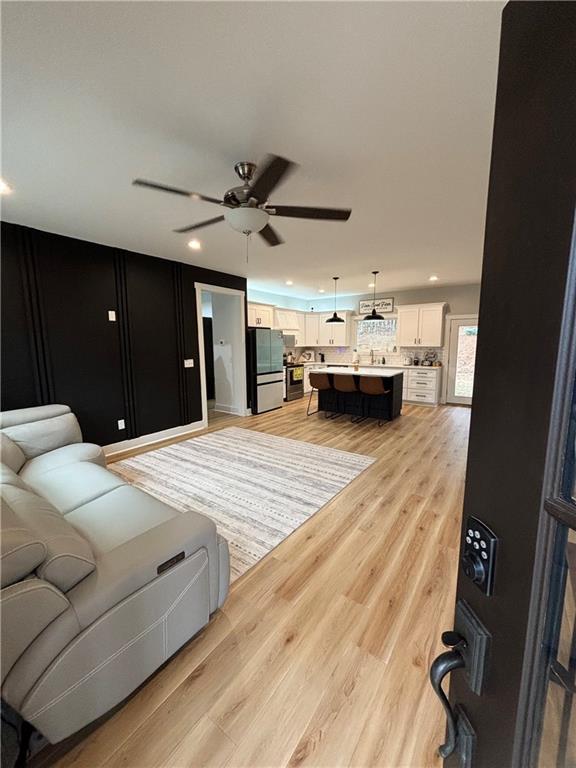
[257, 488]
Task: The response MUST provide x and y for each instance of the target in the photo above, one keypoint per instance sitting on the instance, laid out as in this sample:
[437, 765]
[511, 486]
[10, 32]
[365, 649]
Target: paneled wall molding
[124, 378]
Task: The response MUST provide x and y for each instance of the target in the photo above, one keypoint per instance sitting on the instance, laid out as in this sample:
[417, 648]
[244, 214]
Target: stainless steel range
[294, 381]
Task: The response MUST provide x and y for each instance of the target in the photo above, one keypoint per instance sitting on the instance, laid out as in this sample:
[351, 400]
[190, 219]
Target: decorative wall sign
[380, 305]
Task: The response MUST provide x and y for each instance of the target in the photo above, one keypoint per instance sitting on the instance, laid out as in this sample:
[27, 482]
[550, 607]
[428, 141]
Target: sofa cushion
[119, 516]
[9, 477]
[10, 453]
[27, 415]
[73, 485]
[69, 557]
[68, 454]
[21, 550]
[37, 437]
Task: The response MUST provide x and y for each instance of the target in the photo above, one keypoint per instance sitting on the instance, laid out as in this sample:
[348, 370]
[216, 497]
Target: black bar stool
[372, 386]
[321, 383]
[345, 384]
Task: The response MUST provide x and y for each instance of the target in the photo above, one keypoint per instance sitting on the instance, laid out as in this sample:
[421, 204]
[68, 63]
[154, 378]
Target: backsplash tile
[345, 354]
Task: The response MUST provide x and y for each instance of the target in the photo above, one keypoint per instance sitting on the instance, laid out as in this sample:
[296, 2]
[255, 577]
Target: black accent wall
[58, 345]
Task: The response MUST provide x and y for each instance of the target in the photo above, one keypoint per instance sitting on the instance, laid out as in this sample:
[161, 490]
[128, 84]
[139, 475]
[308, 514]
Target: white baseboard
[154, 437]
[232, 409]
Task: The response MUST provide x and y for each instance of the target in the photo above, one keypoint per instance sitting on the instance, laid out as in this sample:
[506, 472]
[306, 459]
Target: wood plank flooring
[320, 655]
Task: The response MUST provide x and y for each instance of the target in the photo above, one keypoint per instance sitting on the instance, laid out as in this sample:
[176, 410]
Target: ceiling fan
[247, 206]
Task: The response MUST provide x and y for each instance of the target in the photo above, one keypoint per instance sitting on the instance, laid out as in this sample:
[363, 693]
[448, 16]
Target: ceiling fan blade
[301, 212]
[270, 235]
[272, 174]
[175, 190]
[201, 224]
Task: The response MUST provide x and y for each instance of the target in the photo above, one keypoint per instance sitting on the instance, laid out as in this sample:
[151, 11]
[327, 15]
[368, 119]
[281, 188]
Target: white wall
[277, 300]
[461, 299]
[228, 349]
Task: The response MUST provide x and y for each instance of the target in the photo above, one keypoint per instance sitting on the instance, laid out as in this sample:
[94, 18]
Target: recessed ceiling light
[321, 290]
[370, 285]
[195, 244]
[433, 278]
[5, 189]
[289, 282]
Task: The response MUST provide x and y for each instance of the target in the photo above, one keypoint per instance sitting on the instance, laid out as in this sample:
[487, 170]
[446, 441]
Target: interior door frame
[240, 384]
[446, 349]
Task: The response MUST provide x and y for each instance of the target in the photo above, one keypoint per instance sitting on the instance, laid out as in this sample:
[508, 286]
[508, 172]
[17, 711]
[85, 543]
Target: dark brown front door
[514, 613]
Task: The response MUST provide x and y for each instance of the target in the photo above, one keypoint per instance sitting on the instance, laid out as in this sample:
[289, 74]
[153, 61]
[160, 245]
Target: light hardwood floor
[320, 655]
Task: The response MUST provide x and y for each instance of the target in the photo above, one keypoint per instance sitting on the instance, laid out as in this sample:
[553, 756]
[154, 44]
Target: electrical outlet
[121, 424]
[189, 363]
[111, 315]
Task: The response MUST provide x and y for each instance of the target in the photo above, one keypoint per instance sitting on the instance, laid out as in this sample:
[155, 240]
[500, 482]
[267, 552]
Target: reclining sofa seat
[101, 582]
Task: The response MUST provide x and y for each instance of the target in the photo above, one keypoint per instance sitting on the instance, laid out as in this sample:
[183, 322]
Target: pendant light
[335, 318]
[374, 315]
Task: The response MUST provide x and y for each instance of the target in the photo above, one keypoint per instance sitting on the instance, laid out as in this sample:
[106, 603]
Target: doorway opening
[462, 336]
[222, 334]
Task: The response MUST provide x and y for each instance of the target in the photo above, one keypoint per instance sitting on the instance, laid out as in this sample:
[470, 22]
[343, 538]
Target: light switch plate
[121, 424]
[189, 363]
[112, 315]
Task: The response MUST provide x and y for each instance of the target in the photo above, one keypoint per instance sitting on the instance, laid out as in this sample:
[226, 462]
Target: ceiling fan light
[245, 219]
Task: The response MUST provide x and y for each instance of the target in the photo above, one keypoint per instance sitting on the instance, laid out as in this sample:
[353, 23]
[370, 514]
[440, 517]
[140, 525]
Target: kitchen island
[382, 407]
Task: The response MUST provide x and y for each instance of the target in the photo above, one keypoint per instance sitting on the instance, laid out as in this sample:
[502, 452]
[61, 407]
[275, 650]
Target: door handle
[442, 666]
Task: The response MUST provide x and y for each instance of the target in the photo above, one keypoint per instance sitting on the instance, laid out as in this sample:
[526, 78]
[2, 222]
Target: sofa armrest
[27, 608]
[122, 571]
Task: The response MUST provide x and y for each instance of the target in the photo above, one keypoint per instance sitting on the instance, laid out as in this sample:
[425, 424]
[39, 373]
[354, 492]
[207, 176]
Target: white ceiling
[387, 107]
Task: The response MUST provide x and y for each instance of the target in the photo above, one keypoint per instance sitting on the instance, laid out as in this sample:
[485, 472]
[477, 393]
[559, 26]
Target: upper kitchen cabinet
[319, 333]
[300, 334]
[260, 316]
[312, 330]
[420, 325]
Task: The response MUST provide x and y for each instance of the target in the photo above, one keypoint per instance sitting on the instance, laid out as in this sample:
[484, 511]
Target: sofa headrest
[21, 551]
[68, 556]
[37, 437]
[11, 454]
[27, 415]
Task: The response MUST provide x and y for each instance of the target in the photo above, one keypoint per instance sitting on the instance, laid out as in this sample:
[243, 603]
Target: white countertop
[362, 371]
[379, 366]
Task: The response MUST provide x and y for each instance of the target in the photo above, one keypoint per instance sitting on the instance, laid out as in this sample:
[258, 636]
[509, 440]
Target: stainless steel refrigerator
[266, 372]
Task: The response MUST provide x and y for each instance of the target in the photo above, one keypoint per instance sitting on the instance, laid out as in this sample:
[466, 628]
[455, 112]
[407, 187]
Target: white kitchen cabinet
[300, 335]
[422, 385]
[324, 329]
[333, 334]
[260, 316]
[312, 330]
[420, 325]
[340, 331]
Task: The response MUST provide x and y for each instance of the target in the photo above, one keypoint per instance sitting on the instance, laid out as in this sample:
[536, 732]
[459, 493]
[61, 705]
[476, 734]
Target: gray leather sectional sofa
[101, 583]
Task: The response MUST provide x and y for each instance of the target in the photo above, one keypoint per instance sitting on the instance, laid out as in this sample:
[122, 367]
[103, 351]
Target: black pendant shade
[335, 318]
[374, 315]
